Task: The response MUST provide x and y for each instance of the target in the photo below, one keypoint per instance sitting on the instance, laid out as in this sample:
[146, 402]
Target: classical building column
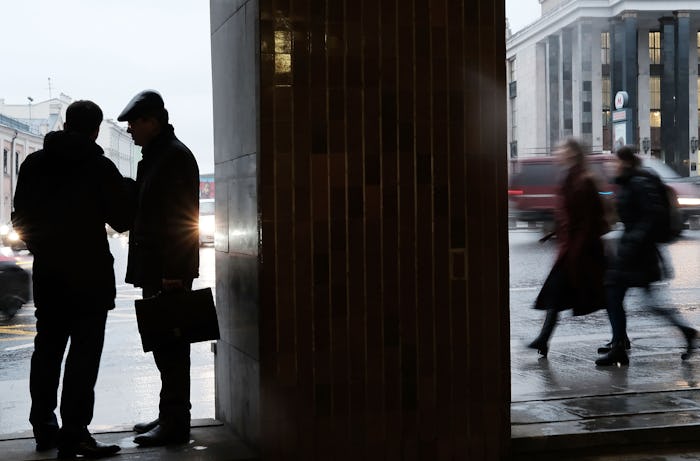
[682, 75]
[668, 91]
[624, 71]
[554, 89]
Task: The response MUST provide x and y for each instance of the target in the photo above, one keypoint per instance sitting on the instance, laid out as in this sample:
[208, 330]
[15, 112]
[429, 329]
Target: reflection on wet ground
[565, 396]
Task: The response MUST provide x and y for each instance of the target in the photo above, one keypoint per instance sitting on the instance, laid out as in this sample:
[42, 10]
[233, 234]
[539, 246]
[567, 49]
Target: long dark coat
[637, 262]
[576, 279]
[65, 194]
[164, 239]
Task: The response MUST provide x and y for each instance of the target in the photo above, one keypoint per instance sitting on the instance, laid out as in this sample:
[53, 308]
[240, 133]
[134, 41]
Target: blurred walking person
[637, 261]
[576, 279]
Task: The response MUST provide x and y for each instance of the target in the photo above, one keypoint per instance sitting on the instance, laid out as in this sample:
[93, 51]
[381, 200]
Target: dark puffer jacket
[164, 239]
[639, 205]
[65, 194]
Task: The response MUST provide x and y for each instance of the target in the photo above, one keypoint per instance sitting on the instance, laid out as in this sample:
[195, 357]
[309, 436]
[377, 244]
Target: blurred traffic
[534, 182]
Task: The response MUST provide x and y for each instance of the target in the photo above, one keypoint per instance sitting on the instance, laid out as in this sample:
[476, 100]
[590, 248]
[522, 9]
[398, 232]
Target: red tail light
[515, 192]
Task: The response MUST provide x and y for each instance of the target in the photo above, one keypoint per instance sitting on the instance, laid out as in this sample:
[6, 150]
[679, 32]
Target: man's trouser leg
[87, 334]
[49, 345]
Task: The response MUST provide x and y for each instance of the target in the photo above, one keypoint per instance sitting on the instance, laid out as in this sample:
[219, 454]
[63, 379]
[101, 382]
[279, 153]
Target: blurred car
[11, 238]
[14, 287]
[534, 182]
[206, 221]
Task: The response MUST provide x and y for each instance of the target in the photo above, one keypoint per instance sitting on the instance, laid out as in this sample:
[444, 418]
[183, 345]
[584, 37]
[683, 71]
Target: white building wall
[118, 146]
[531, 116]
[576, 79]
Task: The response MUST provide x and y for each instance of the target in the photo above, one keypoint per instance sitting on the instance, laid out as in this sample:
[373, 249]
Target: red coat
[576, 279]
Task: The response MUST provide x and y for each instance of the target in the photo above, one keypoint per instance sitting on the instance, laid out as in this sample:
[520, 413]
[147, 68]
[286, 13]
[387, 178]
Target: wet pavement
[565, 408]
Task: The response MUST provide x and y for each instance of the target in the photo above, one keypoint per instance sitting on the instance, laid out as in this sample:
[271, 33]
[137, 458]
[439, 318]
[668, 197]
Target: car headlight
[206, 225]
[688, 201]
[13, 236]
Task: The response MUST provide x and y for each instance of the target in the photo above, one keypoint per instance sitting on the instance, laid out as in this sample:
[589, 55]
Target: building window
[605, 85]
[4, 161]
[655, 47]
[16, 162]
[655, 102]
[605, 48]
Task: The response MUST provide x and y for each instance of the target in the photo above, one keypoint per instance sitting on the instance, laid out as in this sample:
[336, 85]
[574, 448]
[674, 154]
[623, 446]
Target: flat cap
[146, 102]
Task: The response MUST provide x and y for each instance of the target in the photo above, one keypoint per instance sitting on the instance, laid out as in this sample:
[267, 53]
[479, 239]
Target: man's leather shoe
[46, 440]
[142, 428]
[160, 436]
[89, 448]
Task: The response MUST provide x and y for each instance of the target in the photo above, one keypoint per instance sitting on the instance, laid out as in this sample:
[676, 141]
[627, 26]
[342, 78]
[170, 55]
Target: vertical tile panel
[382, 202]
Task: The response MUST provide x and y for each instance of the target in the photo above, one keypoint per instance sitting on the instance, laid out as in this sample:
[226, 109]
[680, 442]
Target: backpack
[669, 224]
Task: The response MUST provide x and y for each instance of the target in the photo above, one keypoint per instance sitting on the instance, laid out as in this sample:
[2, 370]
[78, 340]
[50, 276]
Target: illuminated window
[654, 47]
[655, 102]
[605, 48]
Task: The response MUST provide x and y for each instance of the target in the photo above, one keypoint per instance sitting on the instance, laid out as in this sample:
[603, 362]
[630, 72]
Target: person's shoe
[89, 448]
[690, 335]
[608, 346]
[142, 428]
[160, 436]
[541, 346]
[616, 356]
[46, 441]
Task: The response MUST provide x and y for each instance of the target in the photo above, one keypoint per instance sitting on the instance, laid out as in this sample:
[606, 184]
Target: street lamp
[645, 145]
[30, 106]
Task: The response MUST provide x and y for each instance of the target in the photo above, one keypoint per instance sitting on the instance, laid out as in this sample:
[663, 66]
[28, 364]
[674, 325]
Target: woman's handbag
[177, 316]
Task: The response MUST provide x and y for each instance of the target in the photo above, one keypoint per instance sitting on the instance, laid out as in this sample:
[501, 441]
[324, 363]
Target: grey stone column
[668, 91]
[682, 75]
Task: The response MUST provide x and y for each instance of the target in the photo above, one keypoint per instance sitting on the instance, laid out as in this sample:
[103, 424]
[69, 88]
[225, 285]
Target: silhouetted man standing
[69, 187]
[164, 250]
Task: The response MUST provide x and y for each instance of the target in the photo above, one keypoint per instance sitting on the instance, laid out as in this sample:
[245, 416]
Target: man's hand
[172, 284]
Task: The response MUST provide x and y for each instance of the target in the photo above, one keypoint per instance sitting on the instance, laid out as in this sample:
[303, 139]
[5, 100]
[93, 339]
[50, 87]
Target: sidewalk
[209, 441]
[564, 407]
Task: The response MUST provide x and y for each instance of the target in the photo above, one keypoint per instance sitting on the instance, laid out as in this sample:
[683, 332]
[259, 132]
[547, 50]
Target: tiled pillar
[380, 280]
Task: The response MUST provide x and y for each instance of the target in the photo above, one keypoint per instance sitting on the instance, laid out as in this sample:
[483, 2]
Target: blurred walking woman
[637, 262]
[576, 279]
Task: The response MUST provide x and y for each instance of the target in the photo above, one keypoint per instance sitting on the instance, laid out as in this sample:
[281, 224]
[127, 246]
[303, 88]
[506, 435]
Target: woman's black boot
[608, 346]
[617, 355]
[541, 343]
[690, 336]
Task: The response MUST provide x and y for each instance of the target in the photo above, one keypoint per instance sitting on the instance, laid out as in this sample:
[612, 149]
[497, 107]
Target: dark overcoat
[66, 193]
[576, 279]
[636, 262]
[164, 239]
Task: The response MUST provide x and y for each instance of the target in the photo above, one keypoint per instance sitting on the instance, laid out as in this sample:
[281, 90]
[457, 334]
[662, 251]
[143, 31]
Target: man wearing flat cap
[164, 249]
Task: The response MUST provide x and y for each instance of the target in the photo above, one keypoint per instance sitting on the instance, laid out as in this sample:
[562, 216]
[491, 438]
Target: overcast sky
[109, 50]
[520, 13]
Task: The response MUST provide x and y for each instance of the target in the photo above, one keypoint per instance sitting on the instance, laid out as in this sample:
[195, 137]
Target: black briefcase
[177, 316]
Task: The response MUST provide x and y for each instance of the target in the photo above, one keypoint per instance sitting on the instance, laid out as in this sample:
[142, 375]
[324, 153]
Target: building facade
[565, 70]
[17, 140]
[44, 116]
[119, 147]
